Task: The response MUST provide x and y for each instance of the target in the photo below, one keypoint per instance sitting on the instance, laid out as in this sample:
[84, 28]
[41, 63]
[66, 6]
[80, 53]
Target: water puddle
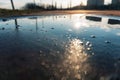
[60, 47]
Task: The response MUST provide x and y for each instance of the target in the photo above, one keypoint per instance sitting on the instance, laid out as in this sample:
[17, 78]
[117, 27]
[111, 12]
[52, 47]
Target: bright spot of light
[77, 25]
[75, 59]
[80, 24]
[76, 50]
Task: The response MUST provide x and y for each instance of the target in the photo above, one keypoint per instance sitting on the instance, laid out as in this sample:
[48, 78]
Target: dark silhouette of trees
[30, 6]
[53, 6]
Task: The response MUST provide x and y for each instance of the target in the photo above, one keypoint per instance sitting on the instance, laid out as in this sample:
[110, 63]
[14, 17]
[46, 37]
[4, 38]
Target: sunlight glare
[75, 58]
[77, 25]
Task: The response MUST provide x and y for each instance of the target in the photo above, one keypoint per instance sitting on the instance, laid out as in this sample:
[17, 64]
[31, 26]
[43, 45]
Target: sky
[20, 3]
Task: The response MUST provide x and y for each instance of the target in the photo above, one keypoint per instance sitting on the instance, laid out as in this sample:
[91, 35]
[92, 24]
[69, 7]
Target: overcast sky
[20, 3]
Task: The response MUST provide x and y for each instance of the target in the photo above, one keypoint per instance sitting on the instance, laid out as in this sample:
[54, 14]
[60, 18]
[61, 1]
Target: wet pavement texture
[60, 47]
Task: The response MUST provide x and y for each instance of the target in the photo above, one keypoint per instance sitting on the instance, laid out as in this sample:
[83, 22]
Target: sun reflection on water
[73, 63]
[75, 51]
[77, 25]
[80, 24]
[75, 58]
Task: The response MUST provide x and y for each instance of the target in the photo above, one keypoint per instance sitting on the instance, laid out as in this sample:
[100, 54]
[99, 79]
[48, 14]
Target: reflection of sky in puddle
[61, 47]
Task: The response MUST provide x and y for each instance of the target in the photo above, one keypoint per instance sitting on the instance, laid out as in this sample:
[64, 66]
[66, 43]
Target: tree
[33, 6]
[81, 3]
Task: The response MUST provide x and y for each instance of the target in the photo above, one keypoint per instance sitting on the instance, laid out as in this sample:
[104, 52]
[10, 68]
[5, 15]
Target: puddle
[60, 47]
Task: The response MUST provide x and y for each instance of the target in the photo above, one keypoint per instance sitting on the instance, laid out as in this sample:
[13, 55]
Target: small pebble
[107, 42]
[58, 52]
[3, 28]
[90, 45]
[93, 53]
[41, 51]
[88, 49]
[93, 36]
[87, 43]
[52, 28]
[81, 43]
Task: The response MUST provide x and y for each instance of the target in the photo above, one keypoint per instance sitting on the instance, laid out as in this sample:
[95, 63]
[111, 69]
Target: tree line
[78, 7]
[31, 6]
